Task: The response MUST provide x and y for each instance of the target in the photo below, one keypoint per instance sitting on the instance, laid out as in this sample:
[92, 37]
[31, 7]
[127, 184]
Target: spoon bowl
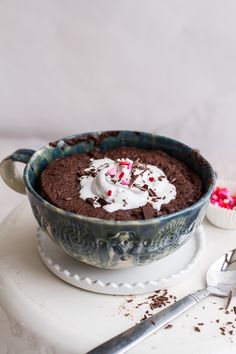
[221, 276]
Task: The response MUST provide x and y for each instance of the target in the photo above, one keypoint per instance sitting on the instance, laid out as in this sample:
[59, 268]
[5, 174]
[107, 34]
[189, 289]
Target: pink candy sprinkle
[124, 163]
[112, 171]
[222, 198]
[121, 175]
[109, 193]
[125, 182]
[151, 179]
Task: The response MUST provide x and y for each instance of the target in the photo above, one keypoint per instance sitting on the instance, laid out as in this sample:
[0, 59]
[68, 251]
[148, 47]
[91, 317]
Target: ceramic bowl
[106, 243]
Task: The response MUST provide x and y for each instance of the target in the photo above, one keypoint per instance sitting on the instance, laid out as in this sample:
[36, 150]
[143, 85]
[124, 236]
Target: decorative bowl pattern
[107, 243]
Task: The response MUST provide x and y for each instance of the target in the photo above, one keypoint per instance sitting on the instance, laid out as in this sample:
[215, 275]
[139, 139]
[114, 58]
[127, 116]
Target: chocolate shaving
[156, 199]
[228, 300]
[144, 318]
[144, 187]
[89, 200]
[105, 165]
[102, 201]
[132, 177]
[53, 143]
[147, 212]
[234, 308]
[151, 192]
[196, 329]
[168, 326]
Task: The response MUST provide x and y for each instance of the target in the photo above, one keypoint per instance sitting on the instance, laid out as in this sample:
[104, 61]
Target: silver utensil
[221, 281]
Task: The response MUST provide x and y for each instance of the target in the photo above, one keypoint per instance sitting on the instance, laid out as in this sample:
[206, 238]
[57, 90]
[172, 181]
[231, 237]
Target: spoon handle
[128, 339]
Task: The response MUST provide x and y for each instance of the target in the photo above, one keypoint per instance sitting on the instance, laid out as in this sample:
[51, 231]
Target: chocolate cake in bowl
[115, 199]
[127, 183]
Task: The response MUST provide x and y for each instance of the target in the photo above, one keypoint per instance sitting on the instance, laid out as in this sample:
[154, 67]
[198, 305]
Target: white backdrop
[166, 66]
[68, 66]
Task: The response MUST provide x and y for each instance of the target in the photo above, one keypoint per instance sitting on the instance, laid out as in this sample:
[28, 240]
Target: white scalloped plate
[137, 280]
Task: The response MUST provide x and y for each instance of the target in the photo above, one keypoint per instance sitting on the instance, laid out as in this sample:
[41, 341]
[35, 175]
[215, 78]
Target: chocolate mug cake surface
[126, 183]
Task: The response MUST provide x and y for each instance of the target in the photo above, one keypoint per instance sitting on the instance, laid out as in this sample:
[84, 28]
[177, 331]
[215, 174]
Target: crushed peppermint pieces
[121, 175]
[221, 197]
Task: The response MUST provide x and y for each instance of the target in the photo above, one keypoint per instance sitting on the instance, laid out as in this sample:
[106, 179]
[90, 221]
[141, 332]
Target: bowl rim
[111, 222]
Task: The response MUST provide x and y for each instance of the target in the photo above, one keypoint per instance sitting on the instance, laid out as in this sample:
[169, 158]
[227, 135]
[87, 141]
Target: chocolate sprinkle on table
[168, 326]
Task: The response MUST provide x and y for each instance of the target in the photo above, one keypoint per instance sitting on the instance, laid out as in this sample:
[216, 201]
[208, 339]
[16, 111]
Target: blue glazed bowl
[106, 243]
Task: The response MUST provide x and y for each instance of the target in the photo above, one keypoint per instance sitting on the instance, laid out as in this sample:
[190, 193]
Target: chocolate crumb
[154, 323]
[147, 212]
[89, 200]
[200, 324]
[143, 188]
[234, 308]
[196, 329]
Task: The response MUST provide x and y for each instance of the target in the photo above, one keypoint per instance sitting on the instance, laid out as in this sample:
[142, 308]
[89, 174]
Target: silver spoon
[221, 281]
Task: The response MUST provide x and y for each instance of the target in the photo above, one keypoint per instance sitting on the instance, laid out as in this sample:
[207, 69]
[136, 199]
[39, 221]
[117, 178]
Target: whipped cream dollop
[124, 184]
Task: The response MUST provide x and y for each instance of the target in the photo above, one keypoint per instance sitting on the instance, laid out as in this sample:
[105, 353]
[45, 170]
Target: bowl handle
[9, 172]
